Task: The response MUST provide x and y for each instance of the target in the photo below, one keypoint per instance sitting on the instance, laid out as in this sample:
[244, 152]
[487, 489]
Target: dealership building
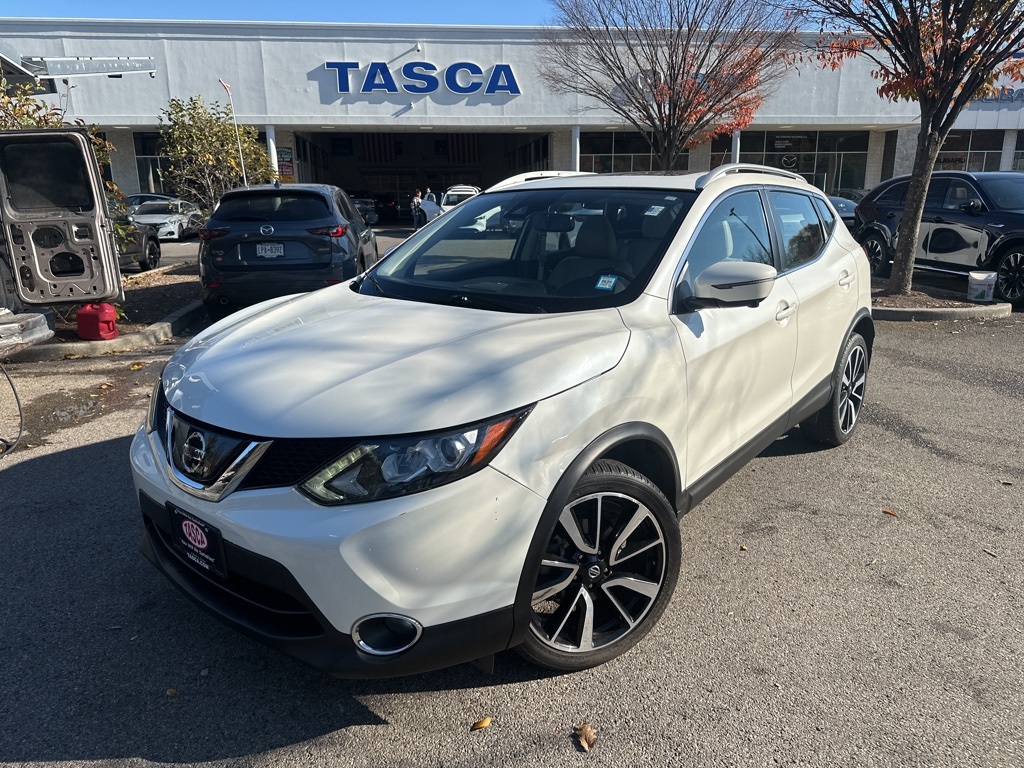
[391, 108]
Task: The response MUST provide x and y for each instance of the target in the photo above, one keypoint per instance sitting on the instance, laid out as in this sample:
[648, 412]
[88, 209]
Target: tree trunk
[928, 144]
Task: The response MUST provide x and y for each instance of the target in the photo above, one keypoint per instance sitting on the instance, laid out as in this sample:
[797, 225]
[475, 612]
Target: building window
[622, 152]
[531, 156]
[831, 160]
[970, 151]
[1018, 154]
[150, 163]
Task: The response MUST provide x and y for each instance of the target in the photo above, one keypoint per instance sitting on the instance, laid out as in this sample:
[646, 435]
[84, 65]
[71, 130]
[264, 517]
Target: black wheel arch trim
[599, 448]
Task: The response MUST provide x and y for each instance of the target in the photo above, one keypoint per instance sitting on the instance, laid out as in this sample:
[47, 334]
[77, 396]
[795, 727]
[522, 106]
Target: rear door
[958, 237]
[57, 240]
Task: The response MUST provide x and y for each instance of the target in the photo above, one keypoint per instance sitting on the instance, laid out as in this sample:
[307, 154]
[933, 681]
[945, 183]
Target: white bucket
[980, 286]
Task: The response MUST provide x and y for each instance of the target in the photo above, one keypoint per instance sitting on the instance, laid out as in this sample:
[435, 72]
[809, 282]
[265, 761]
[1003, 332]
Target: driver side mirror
[974, 205]
[729, 284]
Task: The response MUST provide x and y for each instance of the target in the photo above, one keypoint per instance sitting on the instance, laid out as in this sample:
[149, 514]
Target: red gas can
[97, 321]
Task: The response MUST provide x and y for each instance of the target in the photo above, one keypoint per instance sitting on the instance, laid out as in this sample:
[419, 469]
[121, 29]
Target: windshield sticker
[606, 283]
[654, 210]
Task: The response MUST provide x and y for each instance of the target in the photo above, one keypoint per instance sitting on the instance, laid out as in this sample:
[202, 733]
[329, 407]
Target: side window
[958, 193]
[799, 228]
[347, 209]
[894, 195]
[735, 230]
[828, 219]
[936, 193]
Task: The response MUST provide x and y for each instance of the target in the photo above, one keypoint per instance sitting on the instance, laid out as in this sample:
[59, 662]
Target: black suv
[971, 221]
[268, 241]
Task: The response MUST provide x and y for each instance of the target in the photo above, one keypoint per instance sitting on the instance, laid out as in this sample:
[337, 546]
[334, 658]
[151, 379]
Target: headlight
[396, 466]
[157, 405]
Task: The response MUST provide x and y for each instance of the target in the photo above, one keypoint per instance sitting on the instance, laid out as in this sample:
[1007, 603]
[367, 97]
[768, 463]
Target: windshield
[273, 206]
[157, 208]
[1006, 192]
[537, 250]
[454, 198]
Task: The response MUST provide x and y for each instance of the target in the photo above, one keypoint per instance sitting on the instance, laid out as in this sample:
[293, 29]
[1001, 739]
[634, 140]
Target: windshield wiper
[466, 300]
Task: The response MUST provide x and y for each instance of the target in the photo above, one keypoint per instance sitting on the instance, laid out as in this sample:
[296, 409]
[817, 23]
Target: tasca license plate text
[270, 250]
[200, 542]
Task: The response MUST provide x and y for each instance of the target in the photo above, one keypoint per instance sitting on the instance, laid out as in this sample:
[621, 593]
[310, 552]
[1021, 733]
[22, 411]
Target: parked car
[424, 212]
[274, 240]
[173, 219]
[366, 206]
[486, 442]
[134, 201]
[971, 221]
[386, 207]
[137, 243]
[457, 194]
[845, 208]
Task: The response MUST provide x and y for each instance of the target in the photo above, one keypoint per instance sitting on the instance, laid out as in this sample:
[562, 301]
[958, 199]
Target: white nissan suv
[486, 441]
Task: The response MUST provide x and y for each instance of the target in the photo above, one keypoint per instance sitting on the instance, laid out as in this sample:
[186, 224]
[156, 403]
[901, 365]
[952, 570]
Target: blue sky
[506, 12]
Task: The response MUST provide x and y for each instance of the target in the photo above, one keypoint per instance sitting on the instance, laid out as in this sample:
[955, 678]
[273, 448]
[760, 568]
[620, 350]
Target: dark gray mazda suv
[268, 241]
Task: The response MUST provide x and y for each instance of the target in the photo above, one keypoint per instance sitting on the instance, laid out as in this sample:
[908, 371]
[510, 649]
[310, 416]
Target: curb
[173, 324]
[982, 311]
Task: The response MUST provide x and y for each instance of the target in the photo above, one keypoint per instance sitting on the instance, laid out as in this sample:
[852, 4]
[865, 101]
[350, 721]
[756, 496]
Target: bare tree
[940, 53]
[681, 71]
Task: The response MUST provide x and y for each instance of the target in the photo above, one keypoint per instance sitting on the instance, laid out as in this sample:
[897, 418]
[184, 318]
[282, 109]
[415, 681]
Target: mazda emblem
[266, 229]
[193, 452]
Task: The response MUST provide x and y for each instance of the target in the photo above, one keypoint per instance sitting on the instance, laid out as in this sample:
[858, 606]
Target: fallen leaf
[172, 693]
[586, 735]
[481, 724]
[743, 547]
[889, 512]
[1006, 482]
[136, 366]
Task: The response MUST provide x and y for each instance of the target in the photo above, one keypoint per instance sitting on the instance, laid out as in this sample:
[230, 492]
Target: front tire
[1010, 276]
[152, 258]
[608, 570]
[836, 422]
[877, 251]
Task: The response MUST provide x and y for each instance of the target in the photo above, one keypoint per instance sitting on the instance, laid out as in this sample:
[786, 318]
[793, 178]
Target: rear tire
[1009, 271]
[877, 251]
[608, 570]
[836, 422]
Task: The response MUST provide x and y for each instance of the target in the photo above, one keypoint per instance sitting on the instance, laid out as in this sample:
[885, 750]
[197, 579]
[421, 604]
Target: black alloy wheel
[607, 573]
[152, 258]
[878, 254]
[1010, 276]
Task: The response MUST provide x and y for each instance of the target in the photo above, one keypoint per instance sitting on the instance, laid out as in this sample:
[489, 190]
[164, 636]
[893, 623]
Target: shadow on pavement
[93, 639]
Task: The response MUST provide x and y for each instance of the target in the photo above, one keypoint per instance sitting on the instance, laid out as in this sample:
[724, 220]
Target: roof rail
[724, 170]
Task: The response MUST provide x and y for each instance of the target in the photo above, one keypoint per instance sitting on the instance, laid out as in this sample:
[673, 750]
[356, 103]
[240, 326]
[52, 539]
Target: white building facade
[390, 108]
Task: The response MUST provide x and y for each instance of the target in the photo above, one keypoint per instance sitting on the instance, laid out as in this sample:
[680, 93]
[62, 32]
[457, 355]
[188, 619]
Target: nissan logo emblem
[266, 229]
[193, 452]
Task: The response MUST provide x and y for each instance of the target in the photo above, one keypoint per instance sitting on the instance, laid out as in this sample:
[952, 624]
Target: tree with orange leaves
[680, 71]
[942, 54]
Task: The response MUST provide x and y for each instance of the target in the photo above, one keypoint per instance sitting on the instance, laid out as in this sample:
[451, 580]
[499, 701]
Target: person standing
[430, 196]
[417, 198]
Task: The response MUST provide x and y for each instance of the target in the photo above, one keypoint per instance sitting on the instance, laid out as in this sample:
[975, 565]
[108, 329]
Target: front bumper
[299, 575]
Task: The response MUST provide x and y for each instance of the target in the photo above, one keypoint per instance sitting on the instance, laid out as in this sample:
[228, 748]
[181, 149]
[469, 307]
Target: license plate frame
[188, 533]
[269, 250]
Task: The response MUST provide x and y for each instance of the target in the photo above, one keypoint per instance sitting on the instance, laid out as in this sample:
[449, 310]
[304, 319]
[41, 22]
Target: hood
[340, 364]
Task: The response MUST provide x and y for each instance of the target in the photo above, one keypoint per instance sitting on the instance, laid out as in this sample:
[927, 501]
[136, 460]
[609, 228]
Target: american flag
[378, 148]
[226, 86]
[463, 148]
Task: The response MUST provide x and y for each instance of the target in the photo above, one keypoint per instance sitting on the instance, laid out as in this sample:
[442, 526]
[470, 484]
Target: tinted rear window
[272, 207]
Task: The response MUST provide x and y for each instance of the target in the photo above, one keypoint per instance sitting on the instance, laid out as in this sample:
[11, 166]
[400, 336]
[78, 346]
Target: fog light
[385, 634]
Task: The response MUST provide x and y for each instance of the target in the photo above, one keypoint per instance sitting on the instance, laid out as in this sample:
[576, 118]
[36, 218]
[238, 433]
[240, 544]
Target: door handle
[846, 279]
[785, 310]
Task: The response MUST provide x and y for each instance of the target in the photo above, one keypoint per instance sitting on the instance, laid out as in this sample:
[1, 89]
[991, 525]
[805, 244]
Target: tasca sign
[422, 77]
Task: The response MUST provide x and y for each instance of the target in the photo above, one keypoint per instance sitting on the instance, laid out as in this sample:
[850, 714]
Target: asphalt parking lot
[860, 606]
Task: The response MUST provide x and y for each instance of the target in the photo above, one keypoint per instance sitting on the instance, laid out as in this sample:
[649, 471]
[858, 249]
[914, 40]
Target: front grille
[290, 461]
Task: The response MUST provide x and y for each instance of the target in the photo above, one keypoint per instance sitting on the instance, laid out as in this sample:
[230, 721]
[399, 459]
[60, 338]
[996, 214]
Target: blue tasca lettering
[342, 68]
[378, 78]
[502, 81]
[419, 77]
[451, 77]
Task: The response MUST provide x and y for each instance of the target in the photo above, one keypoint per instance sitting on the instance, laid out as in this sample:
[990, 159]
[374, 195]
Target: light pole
[241, 159]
